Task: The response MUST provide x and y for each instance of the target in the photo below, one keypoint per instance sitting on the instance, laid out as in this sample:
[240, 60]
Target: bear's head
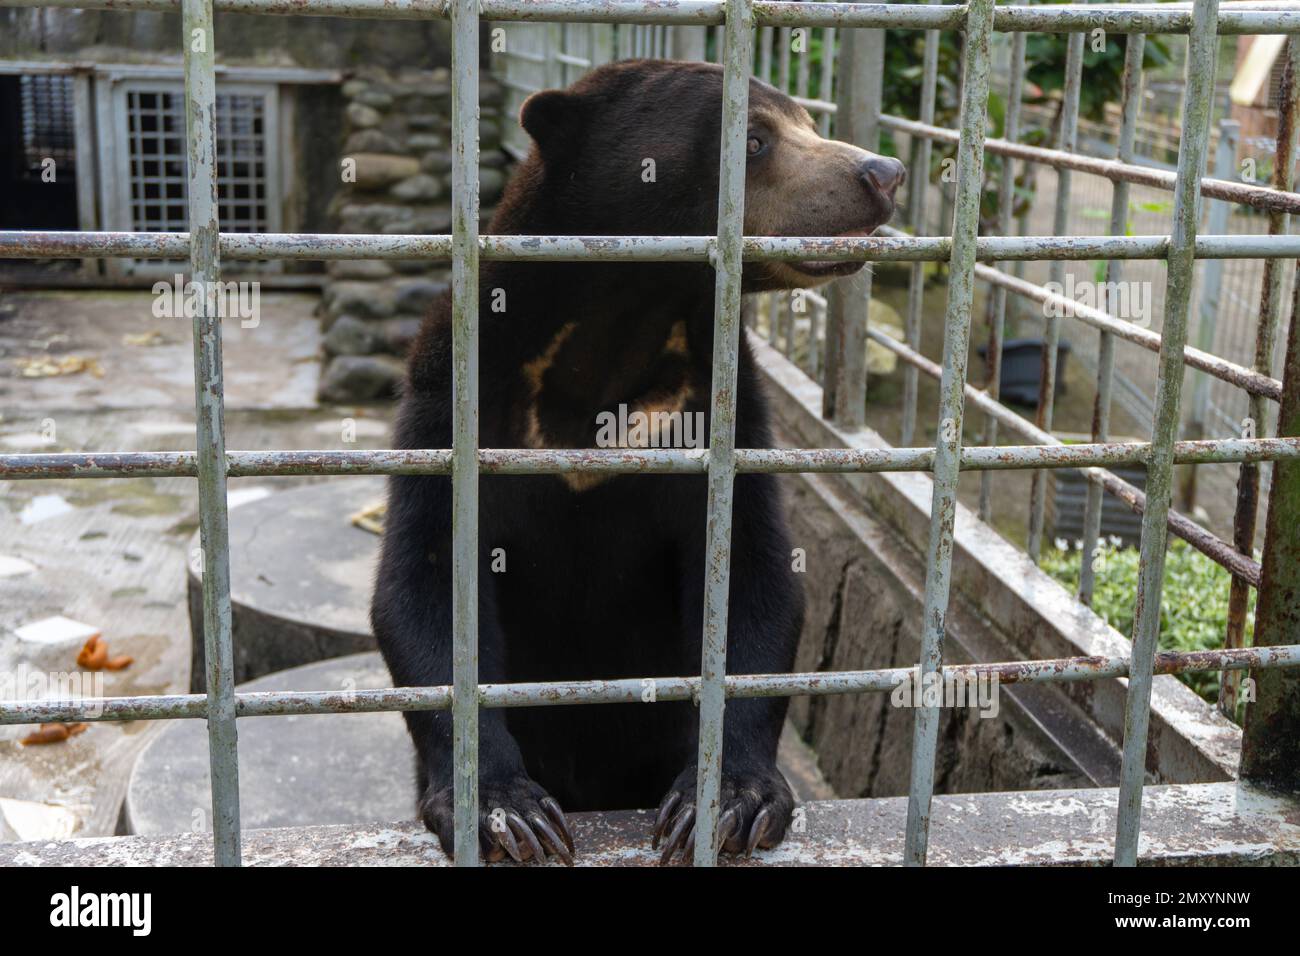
[633, 148]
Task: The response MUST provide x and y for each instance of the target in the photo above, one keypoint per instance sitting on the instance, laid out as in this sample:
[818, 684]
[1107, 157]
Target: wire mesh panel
[153, 184]
[965, 252]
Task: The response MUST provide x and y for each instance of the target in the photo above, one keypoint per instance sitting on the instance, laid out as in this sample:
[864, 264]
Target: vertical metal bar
[1132, 104]
[1225, 162]
[827, 78]
[689, 43]
[857, 121]
[1197, 107]
[1006, 209]
[918, 194]
[783, 59]
[765, 53]
[464, 453]
[722, 431]
[1269, 754]
[209, 406]
[956, 343]
[805, 62]
[813, 352]
[1270, 314]
[1067, 137]
[555, 70]
[787, 310]
[602, 44]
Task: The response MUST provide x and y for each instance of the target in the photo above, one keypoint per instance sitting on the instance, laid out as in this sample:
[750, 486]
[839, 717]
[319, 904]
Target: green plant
[1193, 611]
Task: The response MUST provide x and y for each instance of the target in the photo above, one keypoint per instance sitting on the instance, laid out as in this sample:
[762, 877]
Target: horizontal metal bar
[1258, 197]
[630, 461]
[887, 247]
[1219, 551]
[1135, 18]
[628, 690]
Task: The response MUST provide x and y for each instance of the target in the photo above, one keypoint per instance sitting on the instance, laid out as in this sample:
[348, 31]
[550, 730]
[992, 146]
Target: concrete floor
[111, 553]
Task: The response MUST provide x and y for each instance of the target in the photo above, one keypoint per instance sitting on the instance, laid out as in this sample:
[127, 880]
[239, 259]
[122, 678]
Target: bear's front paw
[756, 805]
[517, 818]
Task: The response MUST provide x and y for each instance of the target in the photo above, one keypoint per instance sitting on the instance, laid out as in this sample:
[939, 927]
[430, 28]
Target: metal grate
[48, 123]
[157, 185]
[211, 464]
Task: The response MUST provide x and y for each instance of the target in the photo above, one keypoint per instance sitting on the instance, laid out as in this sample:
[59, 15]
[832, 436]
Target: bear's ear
[552, 117]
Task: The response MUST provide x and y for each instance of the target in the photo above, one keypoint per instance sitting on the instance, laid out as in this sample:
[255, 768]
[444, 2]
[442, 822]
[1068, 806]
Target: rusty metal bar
[918, 194]
[1128, 18]
[885, 247]
[465, 411]
[1197, 107]
[998, 315]
[209, 402]
[1272, 724]
[631, 461]
[1249, 380]
[1270, 315]
[1257, 197]
[948, 438]
[626, 690]
[1067, 137]
[722, 423]
[1225, 161]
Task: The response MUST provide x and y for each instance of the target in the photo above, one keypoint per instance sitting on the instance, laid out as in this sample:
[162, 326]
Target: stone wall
[397, 133]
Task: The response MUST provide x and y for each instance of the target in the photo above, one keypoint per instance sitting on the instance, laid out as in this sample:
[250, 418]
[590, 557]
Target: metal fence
[726, 251]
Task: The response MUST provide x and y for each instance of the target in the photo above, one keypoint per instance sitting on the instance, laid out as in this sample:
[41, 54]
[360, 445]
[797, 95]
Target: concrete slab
[301, 575]
[147, 361]
[293, 771]
[1214, 824]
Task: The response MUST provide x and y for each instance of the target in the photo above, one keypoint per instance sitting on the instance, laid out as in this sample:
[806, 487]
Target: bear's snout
[885, 173]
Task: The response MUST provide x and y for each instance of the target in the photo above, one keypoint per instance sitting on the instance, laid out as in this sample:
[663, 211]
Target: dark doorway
[38, 160]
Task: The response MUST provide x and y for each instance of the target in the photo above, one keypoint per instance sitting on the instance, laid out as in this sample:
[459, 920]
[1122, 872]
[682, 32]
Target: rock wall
[397, 127]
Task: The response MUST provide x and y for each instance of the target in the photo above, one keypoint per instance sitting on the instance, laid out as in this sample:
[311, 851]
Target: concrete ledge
[1035, 618]
[1215, 824]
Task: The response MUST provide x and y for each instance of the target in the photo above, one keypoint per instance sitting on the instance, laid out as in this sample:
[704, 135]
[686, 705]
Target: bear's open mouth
[828, 268]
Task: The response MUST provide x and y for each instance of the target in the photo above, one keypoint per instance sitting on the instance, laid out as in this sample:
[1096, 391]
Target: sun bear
[585, 576]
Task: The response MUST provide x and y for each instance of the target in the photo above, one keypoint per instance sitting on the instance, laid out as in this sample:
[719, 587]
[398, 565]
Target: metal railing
[726, 251]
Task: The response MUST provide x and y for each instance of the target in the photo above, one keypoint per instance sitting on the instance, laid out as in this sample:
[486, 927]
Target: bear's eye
[754, 146]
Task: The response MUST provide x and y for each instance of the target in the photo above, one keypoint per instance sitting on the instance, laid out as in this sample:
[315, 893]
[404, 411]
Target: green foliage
[1194, 609]
[1103, 67]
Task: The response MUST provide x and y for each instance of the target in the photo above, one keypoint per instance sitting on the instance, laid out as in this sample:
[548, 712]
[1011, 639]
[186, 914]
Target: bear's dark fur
[604, 576]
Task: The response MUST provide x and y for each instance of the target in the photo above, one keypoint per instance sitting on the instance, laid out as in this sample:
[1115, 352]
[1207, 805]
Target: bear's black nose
[883, 172]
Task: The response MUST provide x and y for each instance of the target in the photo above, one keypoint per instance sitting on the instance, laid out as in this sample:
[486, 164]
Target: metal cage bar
[1132, 104]
[1197, 108]
[1067, 137]
[200, 133]
[464, 455]
[997, 320]
[722, 422]
[948, 438]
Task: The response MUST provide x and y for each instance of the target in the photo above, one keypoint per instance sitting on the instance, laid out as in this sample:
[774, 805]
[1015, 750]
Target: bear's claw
[518, 820]
[756, 811]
